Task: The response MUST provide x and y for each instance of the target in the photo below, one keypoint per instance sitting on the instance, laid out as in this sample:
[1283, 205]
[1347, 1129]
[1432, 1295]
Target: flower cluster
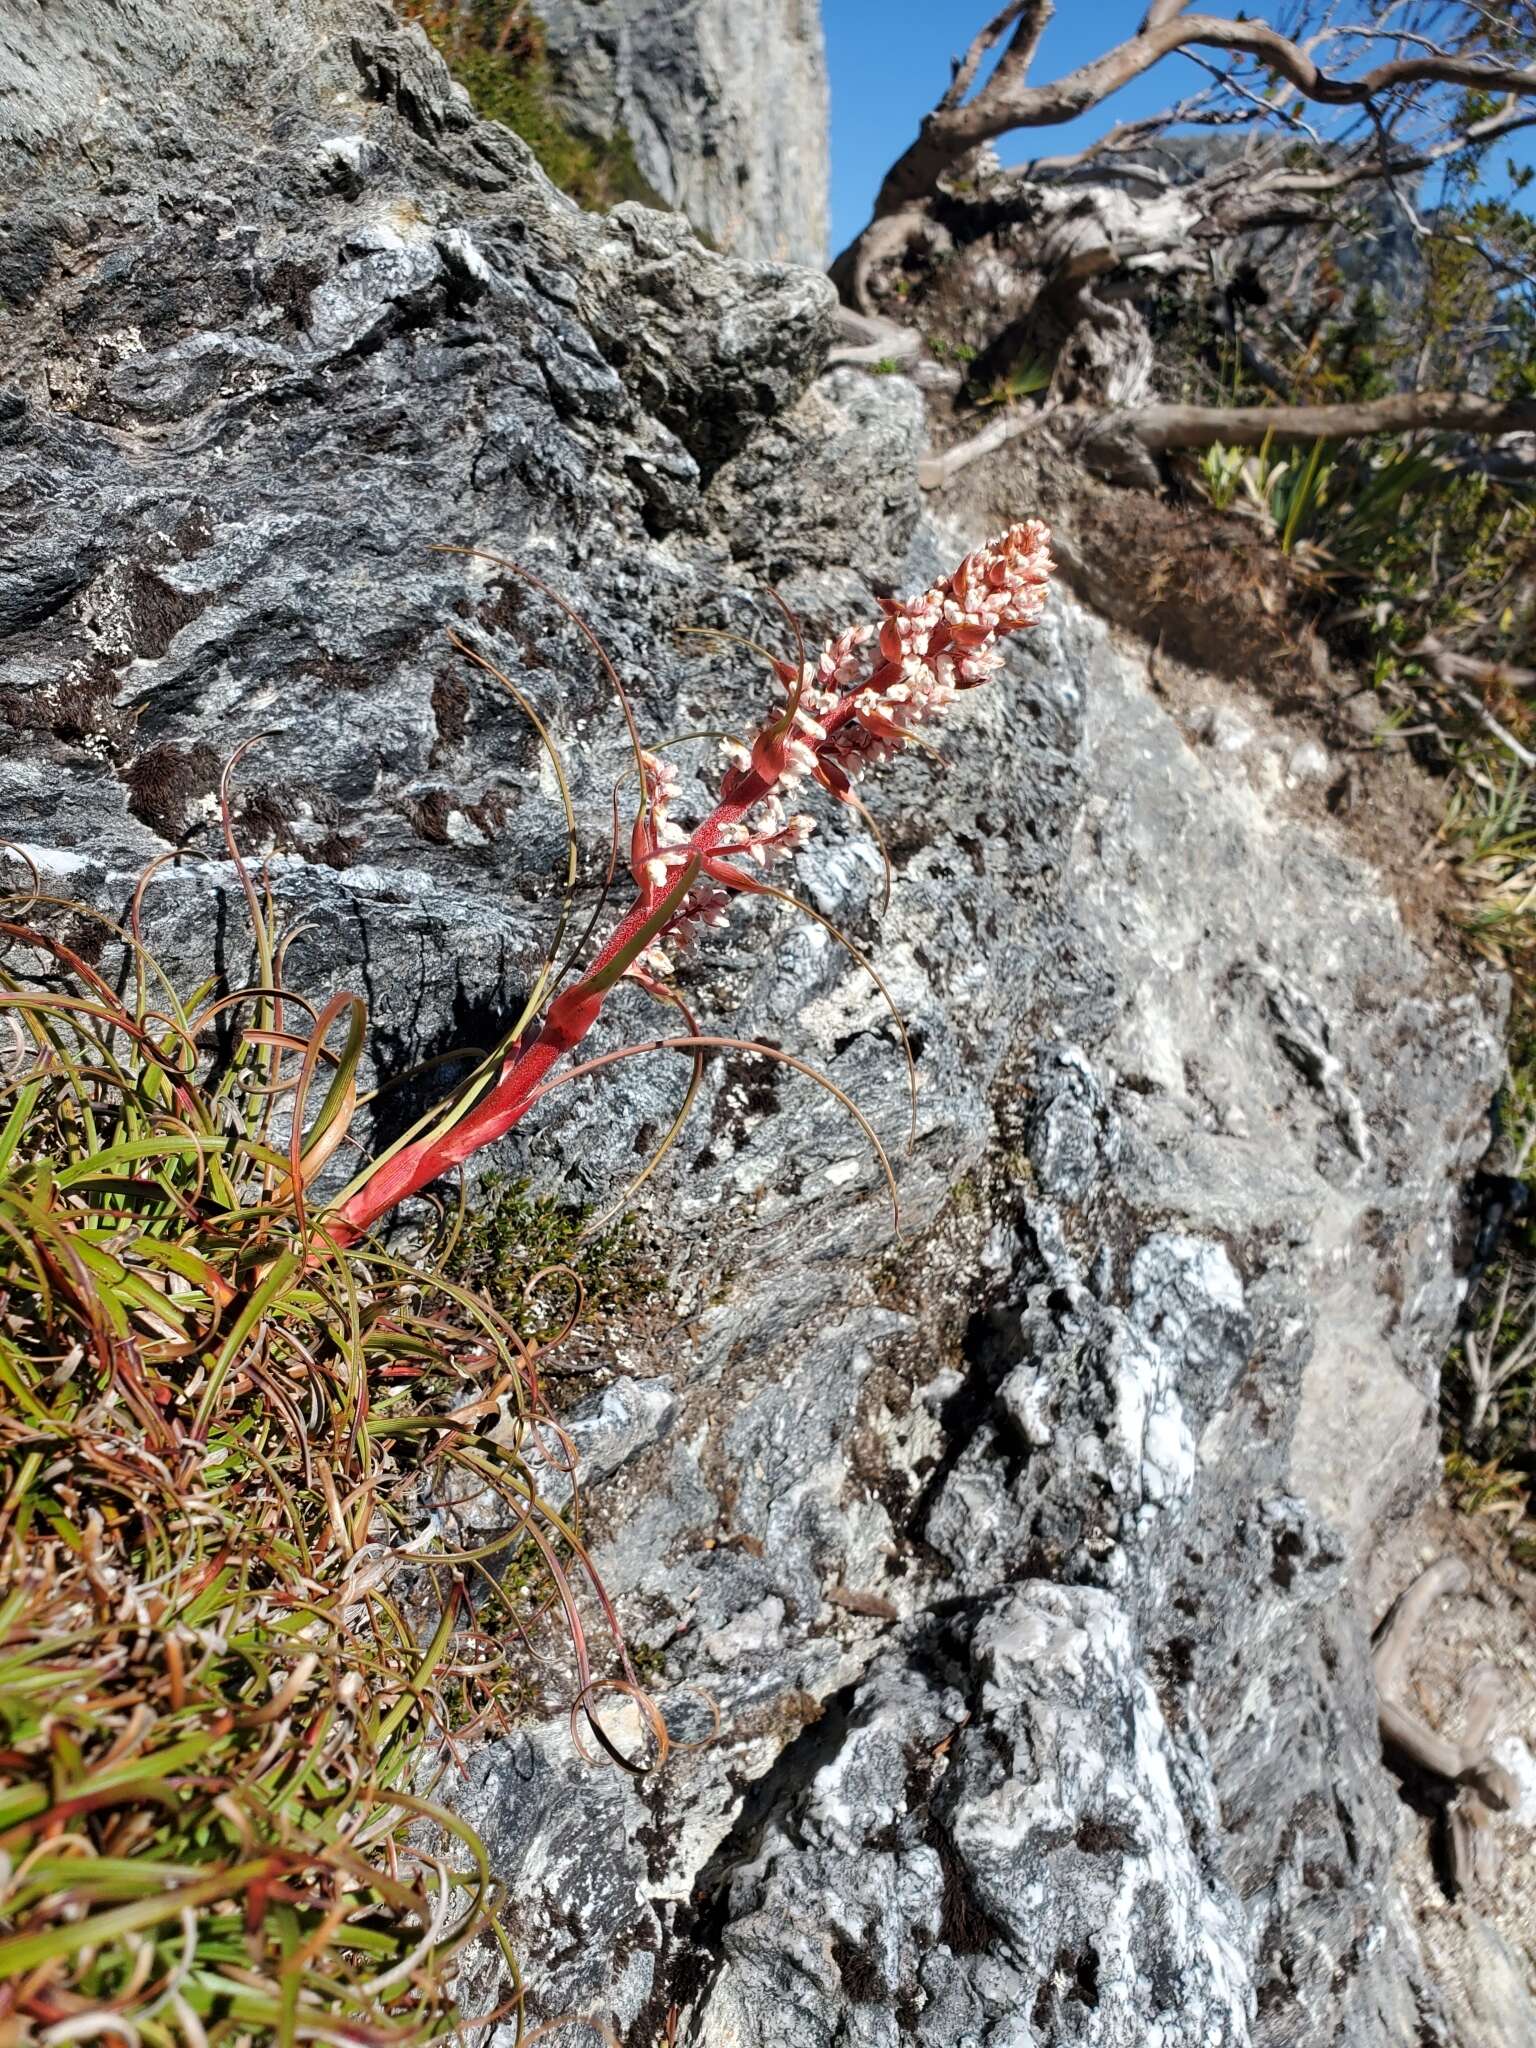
[764, 836]
[864, 697]
[860, 702]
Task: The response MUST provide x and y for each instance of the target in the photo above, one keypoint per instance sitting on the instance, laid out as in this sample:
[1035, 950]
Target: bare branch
[1123, 136]
[1506, 738]
[1013, 65]
[1482, 1785]
[1375, 32]
[1402, 167]
[1006, 102]
[1453, 667]
[936, 470]
[965, 71]
[1262, 109]
[1158, 429]
[1163, 427]
[1487, 1367]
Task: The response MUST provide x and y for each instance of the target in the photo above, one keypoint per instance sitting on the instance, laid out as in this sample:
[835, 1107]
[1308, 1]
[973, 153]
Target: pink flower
[863, 698]
[857, 704]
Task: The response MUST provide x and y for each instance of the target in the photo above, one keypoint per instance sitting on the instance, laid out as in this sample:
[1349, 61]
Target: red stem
[567, 1021]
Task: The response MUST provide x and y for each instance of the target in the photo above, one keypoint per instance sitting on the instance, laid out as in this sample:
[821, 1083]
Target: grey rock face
[995, 1851]
[726, 106]
[1017, 1557]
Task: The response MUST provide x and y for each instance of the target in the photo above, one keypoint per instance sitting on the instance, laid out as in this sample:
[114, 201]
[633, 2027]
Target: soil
[1226, 624]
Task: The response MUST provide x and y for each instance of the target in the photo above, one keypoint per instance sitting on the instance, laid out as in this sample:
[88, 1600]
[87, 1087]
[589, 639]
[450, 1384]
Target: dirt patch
[1226, 627]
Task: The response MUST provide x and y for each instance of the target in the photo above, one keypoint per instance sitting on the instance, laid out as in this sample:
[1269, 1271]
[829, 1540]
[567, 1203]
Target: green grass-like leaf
[238, 1620]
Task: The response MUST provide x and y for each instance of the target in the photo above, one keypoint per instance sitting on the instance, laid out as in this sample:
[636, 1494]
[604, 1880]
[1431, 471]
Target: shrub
[499, 55]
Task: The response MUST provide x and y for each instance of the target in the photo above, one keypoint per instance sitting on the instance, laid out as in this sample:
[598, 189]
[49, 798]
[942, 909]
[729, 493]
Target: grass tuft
[272, 1533]
[499, 54]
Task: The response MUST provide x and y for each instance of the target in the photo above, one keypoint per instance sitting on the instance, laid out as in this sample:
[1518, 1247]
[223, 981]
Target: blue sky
[889, 62]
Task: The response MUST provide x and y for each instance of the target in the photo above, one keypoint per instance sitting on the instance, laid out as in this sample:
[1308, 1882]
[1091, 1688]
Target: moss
[166, 783]
[503, 64]
[650, 1662]
[525, 1577]
[511, 1235]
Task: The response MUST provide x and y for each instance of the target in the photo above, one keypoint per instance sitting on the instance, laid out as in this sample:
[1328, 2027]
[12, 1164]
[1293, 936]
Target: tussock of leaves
[252, 1529]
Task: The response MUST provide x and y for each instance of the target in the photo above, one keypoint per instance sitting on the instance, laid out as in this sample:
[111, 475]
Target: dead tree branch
[1088, 260]
[1160, 428]
[987, 39]
[1482, 1787]
[960, 124]
[936, 471]
[1373, 167]
[1453, 667]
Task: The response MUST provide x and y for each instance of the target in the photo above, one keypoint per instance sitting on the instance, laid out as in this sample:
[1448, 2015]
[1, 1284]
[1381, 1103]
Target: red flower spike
[858, 703]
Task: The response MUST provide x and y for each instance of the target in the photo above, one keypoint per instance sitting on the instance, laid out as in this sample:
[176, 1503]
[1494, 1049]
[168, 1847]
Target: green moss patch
[528, 1251]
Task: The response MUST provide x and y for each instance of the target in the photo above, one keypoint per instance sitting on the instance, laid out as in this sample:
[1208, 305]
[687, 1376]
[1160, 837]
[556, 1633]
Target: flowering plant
[225, 1432]
[867, 695]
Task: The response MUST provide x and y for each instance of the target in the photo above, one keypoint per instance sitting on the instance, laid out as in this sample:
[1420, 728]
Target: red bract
[868, 693]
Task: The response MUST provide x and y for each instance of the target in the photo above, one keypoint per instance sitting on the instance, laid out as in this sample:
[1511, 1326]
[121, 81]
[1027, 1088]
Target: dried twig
[1488, 1369]
[935, 471]
[1162, 427]
[1483, 1787]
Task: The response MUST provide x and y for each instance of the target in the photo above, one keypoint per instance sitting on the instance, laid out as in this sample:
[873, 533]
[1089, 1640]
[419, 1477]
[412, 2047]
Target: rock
[1018, 1556]
[994, 1851]
[1219, 725]
[726, 107]
[1309, 761]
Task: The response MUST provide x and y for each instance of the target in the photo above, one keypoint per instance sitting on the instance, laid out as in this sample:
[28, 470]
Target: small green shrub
[1030, 374]
[499, 56]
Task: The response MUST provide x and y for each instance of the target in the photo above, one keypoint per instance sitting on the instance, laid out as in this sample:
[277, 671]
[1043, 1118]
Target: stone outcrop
[726, 106]
[1018, 1555]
